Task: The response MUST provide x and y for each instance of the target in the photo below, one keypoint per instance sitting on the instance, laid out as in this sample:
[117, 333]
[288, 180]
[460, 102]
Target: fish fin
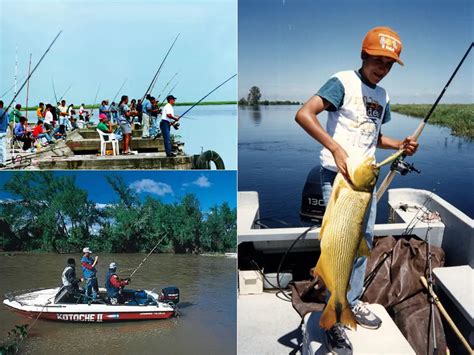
[329, 316]
[319, 270]
[347, 317]
[363, 248]
[337, 185]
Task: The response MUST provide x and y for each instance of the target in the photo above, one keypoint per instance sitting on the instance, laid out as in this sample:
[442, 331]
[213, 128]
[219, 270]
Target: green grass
[458, 117]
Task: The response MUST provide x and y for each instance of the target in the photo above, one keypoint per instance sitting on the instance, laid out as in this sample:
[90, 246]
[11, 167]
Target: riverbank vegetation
[458, 117]
[50, 213]
[254, 96]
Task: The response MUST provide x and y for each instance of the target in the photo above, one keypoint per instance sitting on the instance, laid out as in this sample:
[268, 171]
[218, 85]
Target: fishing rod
[118, 92]
[16, 69]
[159, 69]
[95, 100]
[64, 93]
[167, 84]
[11, 87]
[169, 92]
[146, 257]
[28, 88]
[34, 69]
[54, 91]
[197, 103]
[399, 165]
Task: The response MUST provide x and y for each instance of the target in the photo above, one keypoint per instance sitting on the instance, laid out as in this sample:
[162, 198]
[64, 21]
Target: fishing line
[300, 237]
[29, 76]
[146, 257]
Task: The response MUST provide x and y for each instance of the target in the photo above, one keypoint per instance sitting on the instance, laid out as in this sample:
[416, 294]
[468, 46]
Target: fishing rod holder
[402, 167]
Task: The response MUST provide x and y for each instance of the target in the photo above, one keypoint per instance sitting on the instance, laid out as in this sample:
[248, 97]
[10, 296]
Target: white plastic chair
[112, 139]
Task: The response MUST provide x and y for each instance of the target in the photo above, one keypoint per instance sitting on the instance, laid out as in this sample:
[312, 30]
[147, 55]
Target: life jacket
[85, 271]
[63, 276]
[112, 291]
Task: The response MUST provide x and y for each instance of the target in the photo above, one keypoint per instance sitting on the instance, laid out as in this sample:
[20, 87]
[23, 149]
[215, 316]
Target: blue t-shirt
[333, 91]
[146, 107]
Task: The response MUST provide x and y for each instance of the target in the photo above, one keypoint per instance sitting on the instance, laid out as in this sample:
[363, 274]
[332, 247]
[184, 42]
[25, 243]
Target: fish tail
[337, 312]
[329, 316]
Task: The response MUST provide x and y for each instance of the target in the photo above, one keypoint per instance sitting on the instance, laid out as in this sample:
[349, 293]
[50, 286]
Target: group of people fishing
[145, 113]
[53, 122]
[70, 282]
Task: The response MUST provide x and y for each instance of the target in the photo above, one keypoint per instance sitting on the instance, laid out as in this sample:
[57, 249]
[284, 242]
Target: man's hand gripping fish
[342, 238]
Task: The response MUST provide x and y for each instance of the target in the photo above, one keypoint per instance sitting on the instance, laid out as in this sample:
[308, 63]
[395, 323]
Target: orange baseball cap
[383, 41]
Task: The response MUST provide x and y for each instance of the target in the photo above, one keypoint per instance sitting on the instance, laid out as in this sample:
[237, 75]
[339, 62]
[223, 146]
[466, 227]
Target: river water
[206, 325]
[276, 155]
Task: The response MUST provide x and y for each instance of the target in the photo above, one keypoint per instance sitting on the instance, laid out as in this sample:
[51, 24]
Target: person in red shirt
[39, 132]
[114, 285]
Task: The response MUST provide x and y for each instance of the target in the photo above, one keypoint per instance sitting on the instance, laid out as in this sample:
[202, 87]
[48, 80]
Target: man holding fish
[357, 107]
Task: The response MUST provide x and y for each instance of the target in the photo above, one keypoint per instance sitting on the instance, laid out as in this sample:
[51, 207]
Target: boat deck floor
[270, 325]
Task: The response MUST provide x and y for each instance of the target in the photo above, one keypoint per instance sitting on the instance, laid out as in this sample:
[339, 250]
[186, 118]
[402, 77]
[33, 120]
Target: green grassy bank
[458, 117]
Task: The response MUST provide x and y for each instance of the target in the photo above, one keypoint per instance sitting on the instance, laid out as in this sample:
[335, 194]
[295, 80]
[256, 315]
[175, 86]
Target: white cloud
[152, 187]
[202, 181]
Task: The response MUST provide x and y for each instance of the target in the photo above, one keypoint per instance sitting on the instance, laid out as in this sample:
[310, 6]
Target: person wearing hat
[168, 119]
[357, 108]
[114, 285]
[69, 280]
[90, 273]
[104, 124]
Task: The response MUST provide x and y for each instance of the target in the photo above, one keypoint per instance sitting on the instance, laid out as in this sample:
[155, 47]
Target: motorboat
[56, 304]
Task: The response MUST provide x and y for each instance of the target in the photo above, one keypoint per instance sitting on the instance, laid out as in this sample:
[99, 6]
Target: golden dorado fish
[342, 238]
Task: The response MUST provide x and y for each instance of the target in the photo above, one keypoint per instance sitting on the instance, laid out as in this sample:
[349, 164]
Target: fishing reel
[402, 167]
[176, 125]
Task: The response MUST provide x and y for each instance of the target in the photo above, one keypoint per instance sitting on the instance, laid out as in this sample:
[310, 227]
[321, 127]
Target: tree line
[50, 213]
[254, 96]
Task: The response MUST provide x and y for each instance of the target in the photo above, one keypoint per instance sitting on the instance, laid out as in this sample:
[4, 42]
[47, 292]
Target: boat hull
[96, 317]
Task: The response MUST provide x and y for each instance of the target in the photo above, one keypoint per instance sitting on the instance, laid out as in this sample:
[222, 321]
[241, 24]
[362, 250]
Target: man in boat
[357, 107]
[70, 282]
[90, 273]
[114, 285]
[167, 120]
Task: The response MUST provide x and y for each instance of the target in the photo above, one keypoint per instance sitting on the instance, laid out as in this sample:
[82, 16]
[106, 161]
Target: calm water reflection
[207, 324]
[275, 156]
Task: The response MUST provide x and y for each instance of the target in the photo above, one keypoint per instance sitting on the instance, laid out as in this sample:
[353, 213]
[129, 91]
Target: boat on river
[264, 310]
[56, 304]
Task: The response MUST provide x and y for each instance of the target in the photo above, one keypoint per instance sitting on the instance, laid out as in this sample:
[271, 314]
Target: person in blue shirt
[22, 134]
[90, 274]
[3, 134]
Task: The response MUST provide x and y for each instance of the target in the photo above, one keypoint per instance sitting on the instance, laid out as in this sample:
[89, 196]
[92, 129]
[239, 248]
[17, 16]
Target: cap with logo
[86, 250]
[112, 265]
[383, 41]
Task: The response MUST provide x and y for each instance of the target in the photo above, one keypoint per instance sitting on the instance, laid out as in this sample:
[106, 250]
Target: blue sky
[105, 43]
[289, 48]
[211, 187]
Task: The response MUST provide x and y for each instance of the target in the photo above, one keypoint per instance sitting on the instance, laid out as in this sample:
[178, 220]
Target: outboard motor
[170, 294]
[312, 202]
